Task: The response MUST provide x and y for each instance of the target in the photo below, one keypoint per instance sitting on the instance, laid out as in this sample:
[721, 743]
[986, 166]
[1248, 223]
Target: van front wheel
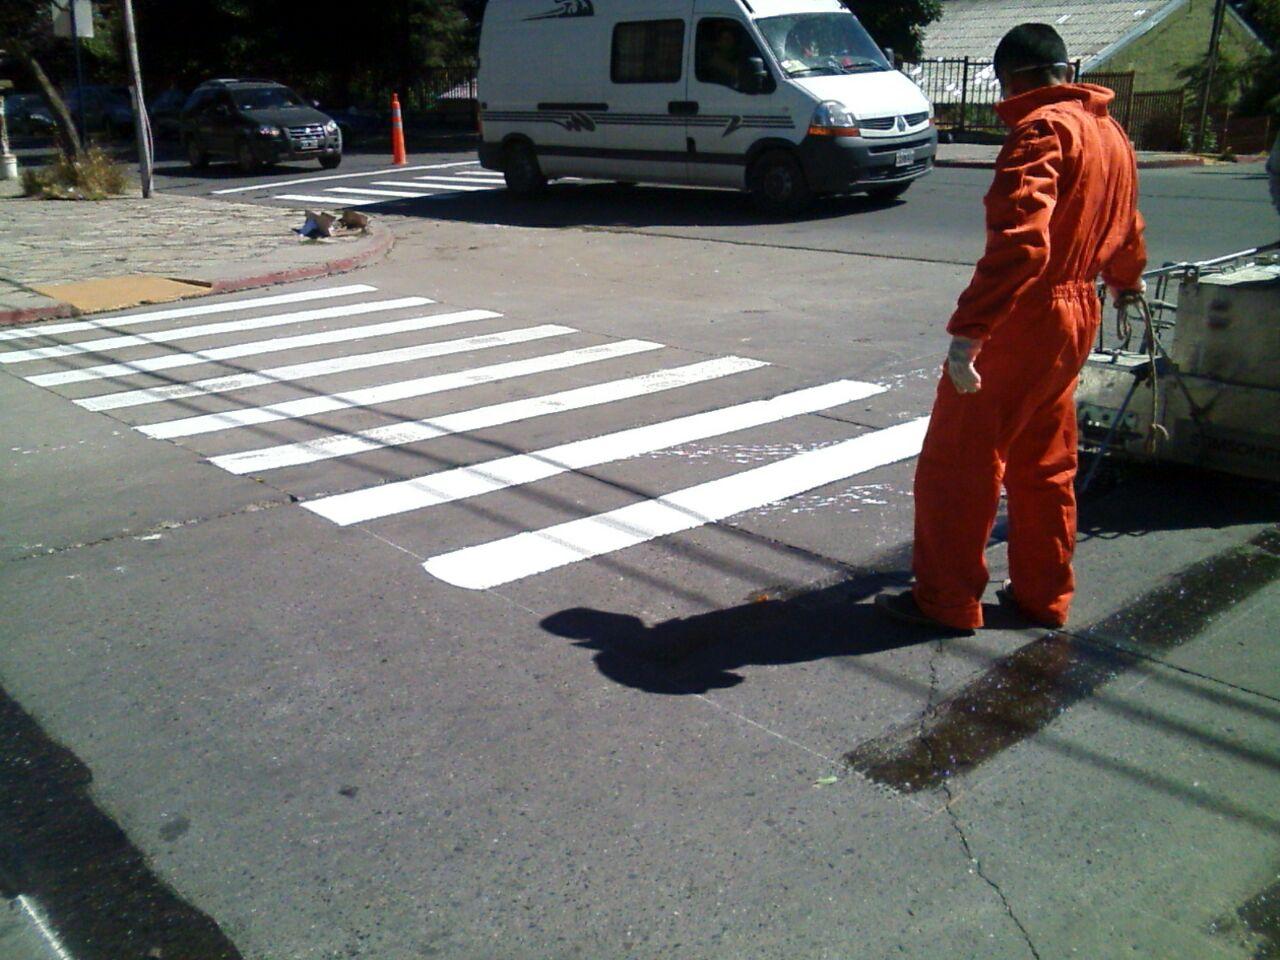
[777, 183]
[521, 171]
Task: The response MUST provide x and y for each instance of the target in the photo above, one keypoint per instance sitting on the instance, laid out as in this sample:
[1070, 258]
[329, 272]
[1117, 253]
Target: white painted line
[390, 392]
[50, 937]
[203, 310]
[471, 181]
[415, 185]
[447, 486]
[277, 184]
[525, 554]
[255, 348]
[314, 200]
[209, 329]
[373, 193]
[321, 368]
[397, 434]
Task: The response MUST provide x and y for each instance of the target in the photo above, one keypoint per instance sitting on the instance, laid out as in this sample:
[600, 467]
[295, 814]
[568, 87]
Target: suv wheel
[778, 185]
[331, 163]
[195, 156]
[521, 171]
[245, 158]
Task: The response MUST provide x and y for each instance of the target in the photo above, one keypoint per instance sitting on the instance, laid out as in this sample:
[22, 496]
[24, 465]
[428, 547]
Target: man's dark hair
[1035, 49]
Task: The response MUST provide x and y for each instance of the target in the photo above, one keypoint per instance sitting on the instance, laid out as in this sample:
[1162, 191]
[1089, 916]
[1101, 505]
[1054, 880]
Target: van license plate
[315, 145]
[905, 158]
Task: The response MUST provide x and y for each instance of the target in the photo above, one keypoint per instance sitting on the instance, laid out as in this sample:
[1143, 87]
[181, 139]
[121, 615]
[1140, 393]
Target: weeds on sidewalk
[93, 176]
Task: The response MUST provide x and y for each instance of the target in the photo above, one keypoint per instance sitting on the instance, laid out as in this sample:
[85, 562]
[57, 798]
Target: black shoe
[1006, 599]
[904, 609]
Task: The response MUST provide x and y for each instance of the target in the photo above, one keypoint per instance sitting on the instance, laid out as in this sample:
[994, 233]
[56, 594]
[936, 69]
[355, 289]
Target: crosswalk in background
[432, 181]
[178, 373]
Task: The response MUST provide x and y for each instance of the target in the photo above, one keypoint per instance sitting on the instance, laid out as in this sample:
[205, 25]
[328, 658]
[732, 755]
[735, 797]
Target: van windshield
[808, 44]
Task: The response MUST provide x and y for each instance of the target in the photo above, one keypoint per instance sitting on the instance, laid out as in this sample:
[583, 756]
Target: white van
[785, 98]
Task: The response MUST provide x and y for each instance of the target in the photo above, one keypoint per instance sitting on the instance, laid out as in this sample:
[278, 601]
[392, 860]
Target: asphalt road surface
[509, 599]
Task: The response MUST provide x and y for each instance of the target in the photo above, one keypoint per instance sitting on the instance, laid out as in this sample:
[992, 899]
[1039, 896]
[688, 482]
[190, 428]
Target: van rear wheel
[521, 171]
[778, 184]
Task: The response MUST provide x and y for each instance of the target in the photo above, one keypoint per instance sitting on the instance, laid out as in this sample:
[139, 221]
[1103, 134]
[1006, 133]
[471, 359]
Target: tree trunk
[68, 138]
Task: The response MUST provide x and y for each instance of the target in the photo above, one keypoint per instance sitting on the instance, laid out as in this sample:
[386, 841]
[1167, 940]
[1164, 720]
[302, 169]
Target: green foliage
[385, 46]
[1264, 15]
[898, 24]
[93, 176]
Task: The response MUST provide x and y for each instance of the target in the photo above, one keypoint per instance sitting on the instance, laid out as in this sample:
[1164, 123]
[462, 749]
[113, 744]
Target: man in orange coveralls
[1062, 211]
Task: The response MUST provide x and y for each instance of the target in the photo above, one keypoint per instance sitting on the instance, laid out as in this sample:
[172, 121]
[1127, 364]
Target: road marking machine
[1191, 374]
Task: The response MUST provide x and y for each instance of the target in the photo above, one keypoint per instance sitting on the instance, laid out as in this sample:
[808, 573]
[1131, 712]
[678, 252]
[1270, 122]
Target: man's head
[1031, 55]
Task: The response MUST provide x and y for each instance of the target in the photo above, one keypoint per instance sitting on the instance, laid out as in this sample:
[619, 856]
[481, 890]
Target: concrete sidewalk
[983, 156]
[164, 248]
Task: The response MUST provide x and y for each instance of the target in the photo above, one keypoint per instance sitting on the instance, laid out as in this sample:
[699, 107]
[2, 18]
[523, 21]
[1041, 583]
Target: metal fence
[964, 93]
[447, 93]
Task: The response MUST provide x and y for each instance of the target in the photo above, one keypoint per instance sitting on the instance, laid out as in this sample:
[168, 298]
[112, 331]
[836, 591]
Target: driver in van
[1061, 211]
[724, 57]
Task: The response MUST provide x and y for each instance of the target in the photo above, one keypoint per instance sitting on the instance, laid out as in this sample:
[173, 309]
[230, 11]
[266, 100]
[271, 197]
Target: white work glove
[964, 376]
[1127, 298]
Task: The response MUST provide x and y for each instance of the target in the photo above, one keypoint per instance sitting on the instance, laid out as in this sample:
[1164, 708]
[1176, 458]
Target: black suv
[256, 122]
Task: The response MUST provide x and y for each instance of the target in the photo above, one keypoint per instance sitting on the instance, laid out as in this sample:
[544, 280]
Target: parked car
[108, 111]
[27, 116]
[166, 114]
[256, 122]
[785, 98]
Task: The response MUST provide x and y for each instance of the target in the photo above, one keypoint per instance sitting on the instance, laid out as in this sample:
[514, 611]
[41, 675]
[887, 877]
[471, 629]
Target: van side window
[722, 54]
[651, 51]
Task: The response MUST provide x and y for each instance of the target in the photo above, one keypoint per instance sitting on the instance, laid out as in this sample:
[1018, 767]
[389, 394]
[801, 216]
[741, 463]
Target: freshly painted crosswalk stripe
[397, 434]
[470, 181]
[390, 392]
[277, 184]
[373, 193]
[321, 368]
[415, 185]
[525, 554]
[174, 313]
[322, 201]
[103, 344]
[234, 351]
[447, 486]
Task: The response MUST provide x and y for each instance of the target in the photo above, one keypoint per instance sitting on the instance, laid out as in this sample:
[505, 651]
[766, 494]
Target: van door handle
[683, 108]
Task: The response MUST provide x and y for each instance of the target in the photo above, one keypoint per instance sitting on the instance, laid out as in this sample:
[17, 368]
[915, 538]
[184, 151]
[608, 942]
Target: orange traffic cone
[397, 133]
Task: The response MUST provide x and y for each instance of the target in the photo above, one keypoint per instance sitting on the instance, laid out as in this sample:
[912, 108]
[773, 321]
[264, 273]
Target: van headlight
[833, 119]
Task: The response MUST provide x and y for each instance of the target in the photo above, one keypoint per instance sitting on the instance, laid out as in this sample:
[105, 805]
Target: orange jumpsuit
[1062, 211]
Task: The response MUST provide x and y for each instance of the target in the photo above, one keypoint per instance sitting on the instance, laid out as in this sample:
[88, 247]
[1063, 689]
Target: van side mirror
[759, 80]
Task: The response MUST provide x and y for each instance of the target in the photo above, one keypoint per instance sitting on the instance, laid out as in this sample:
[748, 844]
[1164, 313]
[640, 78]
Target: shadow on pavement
[693, 655]
[606, 205]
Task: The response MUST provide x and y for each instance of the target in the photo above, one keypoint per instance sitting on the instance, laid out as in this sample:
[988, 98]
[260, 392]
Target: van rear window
[650, 51]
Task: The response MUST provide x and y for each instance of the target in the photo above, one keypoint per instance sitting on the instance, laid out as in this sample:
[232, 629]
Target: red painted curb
[26, 315]
[383, 242]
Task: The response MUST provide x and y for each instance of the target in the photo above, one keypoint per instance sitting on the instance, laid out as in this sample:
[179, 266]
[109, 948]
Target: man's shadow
[692, 655]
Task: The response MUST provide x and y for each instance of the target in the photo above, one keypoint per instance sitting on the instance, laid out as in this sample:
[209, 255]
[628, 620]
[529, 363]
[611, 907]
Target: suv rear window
[651, 51]
[264, 98]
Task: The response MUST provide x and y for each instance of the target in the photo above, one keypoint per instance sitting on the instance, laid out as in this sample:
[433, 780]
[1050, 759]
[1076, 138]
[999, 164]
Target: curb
[383, 242]
[1161, 164]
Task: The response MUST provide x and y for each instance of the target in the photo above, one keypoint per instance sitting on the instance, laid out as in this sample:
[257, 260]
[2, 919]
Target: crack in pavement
[155, 530]
[950, 809]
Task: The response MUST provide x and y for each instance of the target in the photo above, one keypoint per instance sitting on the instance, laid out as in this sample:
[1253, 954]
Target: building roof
[972, 28]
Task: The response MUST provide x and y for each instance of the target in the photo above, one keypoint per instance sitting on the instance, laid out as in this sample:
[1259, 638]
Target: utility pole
[141, 123]
[1219, 15]
[75, 42]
